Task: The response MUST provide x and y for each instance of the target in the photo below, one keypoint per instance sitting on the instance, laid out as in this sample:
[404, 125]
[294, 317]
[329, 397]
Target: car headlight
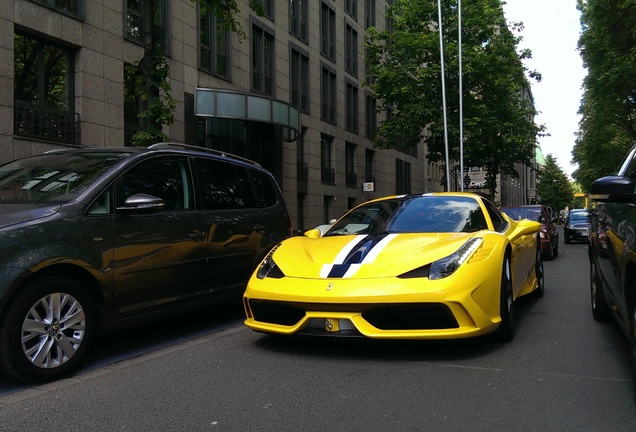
[269, 268]
[448, 265]
[543, 234]
[571, 227]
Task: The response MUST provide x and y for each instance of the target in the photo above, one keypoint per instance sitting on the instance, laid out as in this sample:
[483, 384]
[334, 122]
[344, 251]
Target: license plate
[332, 325]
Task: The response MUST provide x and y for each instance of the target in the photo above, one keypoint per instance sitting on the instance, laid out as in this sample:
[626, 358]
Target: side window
[264, 188]
[223, 185]
[166, 178]
[498, 221]
[102, 204]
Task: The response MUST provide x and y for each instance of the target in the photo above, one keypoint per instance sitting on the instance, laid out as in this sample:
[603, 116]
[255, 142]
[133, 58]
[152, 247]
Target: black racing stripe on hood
[357, 255]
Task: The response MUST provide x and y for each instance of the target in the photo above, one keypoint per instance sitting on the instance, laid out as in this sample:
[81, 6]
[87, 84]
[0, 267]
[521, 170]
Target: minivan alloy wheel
[45, 330]
[53, 330]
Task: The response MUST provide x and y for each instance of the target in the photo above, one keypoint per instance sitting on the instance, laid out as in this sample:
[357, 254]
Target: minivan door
[232, 221]
[160, 258]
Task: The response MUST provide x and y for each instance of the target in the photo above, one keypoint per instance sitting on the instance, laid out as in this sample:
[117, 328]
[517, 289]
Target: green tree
[405, 74]
[608, 109]
[554, 188]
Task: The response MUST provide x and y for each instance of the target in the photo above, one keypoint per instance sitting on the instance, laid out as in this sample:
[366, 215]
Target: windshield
[53, 177]
[579, 215]
[422, 214]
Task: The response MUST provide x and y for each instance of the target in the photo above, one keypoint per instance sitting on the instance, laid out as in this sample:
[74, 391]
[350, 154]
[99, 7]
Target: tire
[505, 332]
[550, 255]
[556, 248]
[539, 274]
[566, 240]
[632, 342]
[600, 310]
[46, 330]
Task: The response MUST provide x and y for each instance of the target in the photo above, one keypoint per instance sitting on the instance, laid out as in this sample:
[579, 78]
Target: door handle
[196, 235]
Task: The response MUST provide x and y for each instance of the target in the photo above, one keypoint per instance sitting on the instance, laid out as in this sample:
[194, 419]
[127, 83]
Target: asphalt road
[562, 372]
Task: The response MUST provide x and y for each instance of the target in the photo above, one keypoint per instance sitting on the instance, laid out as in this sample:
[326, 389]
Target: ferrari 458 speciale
[431, 266]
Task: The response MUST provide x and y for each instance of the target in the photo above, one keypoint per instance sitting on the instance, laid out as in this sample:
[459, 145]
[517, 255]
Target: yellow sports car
[431, 266]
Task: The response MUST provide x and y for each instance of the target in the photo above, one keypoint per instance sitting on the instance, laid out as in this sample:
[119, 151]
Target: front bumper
[389, 308]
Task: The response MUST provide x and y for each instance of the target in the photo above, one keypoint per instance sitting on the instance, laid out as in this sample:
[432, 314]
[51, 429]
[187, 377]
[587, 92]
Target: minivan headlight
[448, 265]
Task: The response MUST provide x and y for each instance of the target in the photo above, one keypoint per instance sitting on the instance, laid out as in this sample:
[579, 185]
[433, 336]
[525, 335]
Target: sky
[551, 32]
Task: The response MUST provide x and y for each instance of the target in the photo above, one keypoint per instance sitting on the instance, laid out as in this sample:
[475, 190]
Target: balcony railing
[328, 175]
[46, 123]
[352, 180]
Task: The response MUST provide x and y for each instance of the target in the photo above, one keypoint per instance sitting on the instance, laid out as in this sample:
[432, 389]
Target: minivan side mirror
[142, 204]
[618, 189]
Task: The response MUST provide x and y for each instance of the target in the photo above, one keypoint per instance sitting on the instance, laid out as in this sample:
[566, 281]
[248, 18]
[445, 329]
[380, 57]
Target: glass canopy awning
[241, 106]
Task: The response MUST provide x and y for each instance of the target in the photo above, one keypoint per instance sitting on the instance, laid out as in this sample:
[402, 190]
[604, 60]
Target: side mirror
[142, 204]
[526, 227]
[618, 189]
[313, 233]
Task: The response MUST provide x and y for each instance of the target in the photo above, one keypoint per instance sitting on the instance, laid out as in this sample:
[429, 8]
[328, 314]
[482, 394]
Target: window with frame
[262, 61]
[350, 157]
[44, 97]
[371, 117]
[351, 50]
[369, 13]
[298, 18]
[328, 32]
[299, 77]
[327, 173]
[135, 11]
[351, 107]
[72, 8]
[351, 7]
[402, 177]
[133, 104]
[328, 95]
[388, 22]
[213, 46]
[268, 8]
[368, 165]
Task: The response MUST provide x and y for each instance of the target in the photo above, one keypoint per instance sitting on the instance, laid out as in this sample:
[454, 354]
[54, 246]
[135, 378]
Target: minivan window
[223, 185]
[264, 188]
[166, 178]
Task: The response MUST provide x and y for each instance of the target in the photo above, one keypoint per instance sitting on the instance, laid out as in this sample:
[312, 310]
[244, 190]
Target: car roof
[170, 147]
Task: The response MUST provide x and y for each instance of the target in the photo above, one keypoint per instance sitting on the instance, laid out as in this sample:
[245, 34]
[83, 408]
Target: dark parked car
[612, 249]
[94, 240]
[577, 226]
[549, 232]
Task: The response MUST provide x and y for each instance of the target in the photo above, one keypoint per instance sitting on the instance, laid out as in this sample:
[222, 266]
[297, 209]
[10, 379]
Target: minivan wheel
[632, 341]
[46, 330]
[505, 331]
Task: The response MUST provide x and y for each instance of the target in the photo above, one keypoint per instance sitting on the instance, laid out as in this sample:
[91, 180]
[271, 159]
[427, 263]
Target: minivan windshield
[53, 177]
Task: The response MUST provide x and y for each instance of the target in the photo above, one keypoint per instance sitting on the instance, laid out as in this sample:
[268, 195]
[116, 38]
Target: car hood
[364, 256]
[11, 214]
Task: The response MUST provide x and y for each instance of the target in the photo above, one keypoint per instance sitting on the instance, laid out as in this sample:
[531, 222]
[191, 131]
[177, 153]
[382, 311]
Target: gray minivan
[94, 240]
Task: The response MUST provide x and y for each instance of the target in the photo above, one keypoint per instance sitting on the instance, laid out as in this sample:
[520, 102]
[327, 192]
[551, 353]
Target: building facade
[288, 92]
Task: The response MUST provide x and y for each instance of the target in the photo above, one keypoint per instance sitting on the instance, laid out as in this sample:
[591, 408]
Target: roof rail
[165, 145]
